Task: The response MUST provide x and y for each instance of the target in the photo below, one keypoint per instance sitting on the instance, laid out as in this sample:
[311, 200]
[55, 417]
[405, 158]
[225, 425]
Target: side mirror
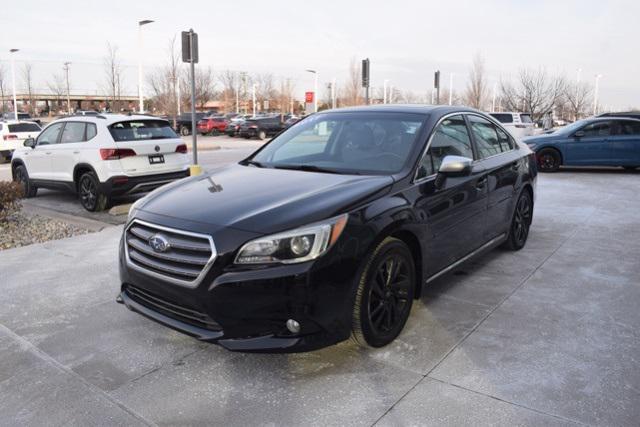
[455, 166]
[579, 134]
[29, 142]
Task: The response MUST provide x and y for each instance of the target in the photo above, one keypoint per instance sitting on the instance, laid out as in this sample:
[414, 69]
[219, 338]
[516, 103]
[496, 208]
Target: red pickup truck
[212, 125]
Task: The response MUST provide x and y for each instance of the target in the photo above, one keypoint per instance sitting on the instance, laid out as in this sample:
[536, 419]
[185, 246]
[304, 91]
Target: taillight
[253, 127]
[182, 148]
[116, 153]
[10, 136]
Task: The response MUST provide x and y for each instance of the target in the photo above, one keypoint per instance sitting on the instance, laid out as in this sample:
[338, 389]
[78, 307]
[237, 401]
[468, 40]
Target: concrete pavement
[545, 336]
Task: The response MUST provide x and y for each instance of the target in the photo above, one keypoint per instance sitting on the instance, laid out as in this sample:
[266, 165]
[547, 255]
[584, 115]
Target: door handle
[48, 152]
[76, 152]
[481, 183]
[515, 166]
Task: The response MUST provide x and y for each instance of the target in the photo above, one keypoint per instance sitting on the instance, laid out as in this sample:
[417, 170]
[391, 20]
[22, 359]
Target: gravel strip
[21, 230]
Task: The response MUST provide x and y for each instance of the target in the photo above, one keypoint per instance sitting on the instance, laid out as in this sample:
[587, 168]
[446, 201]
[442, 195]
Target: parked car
[261, 127]
[21, 116]
[212, 125]
[329, 230]
[13, 133]
[519, 125]
[291, 121]
[233, 128]
[598, 141]
[183, 122]
[100, 157]
[631, 114]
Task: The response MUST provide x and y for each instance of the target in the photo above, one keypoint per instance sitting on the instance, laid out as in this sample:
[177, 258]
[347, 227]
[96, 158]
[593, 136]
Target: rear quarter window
[526, 118]
[503, 118]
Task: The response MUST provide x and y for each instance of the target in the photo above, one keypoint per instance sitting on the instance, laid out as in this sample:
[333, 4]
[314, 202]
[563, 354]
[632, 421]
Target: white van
[520, 125]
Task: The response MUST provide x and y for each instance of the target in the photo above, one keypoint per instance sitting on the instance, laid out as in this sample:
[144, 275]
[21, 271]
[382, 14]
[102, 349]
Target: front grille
[171, 309]
[184, 260]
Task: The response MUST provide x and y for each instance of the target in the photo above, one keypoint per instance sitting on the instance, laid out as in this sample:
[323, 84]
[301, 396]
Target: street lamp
[451, 89]
[315, 90]
[13, 79]
[595, 96]
[140, 96]
[253, 97]
[66, 71]
[384, 90]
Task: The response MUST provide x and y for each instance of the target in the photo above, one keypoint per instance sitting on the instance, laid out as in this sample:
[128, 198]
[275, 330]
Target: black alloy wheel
[385, 294]
[184, 131]
[519, 230]
[548, 160]
[22, 177]
[89, 192]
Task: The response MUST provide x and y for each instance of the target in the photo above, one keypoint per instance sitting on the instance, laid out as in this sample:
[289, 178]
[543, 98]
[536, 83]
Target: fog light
[293, 326]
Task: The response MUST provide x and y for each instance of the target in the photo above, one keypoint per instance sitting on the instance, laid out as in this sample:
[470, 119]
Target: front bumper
[121, 185]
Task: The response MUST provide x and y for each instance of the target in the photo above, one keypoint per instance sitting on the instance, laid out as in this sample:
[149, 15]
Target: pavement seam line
[38, 352]
[481, 321]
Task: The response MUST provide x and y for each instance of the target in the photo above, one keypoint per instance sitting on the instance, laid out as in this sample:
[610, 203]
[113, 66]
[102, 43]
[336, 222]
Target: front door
[454, 208]
[589, 145]
[38, 160]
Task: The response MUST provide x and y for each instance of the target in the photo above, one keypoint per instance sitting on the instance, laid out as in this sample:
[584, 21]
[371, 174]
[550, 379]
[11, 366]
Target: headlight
[134, 207]
[299, 245]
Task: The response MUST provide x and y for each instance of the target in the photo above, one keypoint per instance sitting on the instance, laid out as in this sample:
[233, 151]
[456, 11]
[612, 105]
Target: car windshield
[374, 143]
[135, 130]
[572, 127]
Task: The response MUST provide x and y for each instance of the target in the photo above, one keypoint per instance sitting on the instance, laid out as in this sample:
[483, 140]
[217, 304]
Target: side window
[486, 137]
[627, 127]
[91, 131]
[451, 138]
[597, 129]
[50, 134]
[73, 132]
[506, 143]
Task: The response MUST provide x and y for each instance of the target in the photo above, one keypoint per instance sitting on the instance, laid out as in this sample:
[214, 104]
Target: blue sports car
[597, 141]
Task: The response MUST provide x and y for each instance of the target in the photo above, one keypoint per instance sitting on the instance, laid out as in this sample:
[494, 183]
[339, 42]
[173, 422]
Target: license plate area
[156, 159]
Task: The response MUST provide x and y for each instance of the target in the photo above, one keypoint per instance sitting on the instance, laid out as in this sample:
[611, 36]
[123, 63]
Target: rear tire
[386, 288]
[22, 177]
[548, 160]
[91, 198]
[262, 135]
[520, 223]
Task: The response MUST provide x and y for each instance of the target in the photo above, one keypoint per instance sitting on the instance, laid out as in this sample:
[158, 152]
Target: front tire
[262, 135]
[22, 177]
[184, 131]
[385, 294]
[548, 160]
[91, 198]
[520, 223]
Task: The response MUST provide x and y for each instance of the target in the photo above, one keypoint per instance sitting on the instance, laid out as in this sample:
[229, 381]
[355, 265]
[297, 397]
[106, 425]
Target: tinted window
[486, 137]
[72, 132]
[526, 118]
[628, 127]
[135, 130]
[50, 134]
[24, 127]
[503, 118]
[597, 129]
[506, 143]
[451, 138]
[91, 131]
[367, 143]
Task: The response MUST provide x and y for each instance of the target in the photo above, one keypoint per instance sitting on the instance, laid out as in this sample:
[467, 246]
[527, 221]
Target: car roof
[405, 108]
[509, 112]
[109, 119]
[15, 122]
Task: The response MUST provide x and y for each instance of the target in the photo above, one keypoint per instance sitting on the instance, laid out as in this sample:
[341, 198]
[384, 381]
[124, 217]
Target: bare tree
[57, 87]
[164, 82]
[231, 83]
[3, 87]
[578, 97]
[205, 86]
[352, 91]
[27, 76]
[113, 76]
[535, 92]
[476, 93]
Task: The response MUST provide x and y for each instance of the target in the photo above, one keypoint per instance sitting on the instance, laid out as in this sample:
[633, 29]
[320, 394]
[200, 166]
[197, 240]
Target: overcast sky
[405, 40]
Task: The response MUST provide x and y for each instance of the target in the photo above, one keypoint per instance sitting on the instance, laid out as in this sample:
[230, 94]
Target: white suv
[101, 156]
[519, 125]
[13, 133]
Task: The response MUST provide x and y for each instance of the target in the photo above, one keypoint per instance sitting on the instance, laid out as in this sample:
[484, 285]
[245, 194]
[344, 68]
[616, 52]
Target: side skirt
[487, 246]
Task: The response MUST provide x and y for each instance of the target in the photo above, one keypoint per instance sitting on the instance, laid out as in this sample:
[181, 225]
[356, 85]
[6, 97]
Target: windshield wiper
[253, 163]
[307, 168]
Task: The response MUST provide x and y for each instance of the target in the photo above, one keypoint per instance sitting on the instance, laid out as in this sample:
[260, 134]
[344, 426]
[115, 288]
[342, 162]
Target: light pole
[315, 90]
[253, 98]
[384, 91]
[333, 93]
[493, 101]
[577, 107]
[66, 72]
[595, 94]
[13, 79]
[140, 96]
[451, 89]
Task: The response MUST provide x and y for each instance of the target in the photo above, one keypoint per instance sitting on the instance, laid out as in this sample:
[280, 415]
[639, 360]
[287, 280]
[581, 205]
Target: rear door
[592, 148]
[625, 143]
[456, 209]
[66, 152]
[495, 152]
[150, 147]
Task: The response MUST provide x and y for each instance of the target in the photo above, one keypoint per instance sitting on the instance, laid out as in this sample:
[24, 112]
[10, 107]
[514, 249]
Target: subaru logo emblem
[157, 148]
[159, 243]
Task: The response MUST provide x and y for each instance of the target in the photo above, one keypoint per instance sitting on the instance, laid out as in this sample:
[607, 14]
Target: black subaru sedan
[330, 230]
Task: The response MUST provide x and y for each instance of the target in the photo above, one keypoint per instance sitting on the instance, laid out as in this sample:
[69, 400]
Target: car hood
[263, 200]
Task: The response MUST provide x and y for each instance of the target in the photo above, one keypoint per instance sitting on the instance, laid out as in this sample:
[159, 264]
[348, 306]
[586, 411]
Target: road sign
[189, 46]
[308, 97]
